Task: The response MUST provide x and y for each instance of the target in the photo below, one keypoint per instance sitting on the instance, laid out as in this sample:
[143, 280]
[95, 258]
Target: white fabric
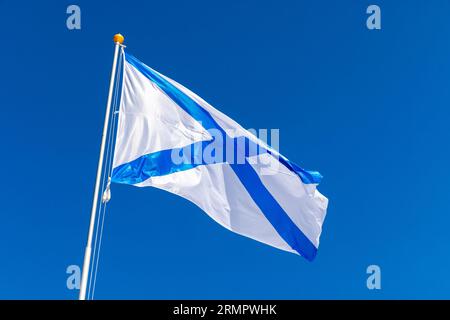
[216, 189]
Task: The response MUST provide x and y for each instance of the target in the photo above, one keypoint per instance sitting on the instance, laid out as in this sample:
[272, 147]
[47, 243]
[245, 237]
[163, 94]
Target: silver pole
[118, 39]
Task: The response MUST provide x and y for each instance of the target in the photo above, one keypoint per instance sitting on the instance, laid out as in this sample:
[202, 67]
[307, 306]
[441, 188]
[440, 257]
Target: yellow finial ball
[118, 38]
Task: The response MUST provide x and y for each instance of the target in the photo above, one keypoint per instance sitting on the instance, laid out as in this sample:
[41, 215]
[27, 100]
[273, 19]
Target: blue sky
[368, 109]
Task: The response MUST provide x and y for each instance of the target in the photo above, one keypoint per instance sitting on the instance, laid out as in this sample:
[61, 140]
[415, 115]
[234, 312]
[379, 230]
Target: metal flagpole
[118, 40]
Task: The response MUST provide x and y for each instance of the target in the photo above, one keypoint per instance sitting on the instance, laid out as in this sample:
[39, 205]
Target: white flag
[170, 138]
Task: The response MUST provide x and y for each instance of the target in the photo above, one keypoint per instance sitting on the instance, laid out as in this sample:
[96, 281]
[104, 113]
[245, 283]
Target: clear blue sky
[369, 109]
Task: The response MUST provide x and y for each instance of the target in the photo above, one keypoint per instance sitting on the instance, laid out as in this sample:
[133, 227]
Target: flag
[170, 138]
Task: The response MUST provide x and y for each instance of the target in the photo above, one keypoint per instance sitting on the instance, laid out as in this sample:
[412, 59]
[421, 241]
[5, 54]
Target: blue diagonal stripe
[271, 209]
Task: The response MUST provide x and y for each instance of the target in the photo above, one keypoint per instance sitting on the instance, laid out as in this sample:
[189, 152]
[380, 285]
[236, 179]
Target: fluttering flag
[170, 138]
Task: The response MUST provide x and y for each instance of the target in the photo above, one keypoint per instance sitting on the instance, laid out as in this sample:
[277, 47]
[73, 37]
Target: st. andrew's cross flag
[170, 138]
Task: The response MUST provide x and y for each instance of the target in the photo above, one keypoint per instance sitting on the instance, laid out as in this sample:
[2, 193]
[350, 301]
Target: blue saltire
[160, 163]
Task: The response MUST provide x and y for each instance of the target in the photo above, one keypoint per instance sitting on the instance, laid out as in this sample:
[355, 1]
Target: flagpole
[118, 40]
